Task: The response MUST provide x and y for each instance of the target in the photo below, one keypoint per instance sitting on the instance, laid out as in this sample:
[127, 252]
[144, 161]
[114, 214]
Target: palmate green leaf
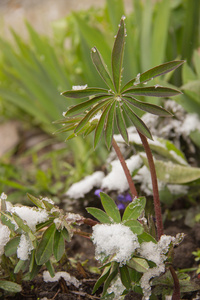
[102, 278]
[125, 277]
[101, 67]
[148, 107]
[138, 264]
[82, 106]
[155, 72]
[101, 124]
[77, 94]
[121, 123]
[134, 210]
[110, 207]
[137, 122]
[45, 247]
[109, 125]
[59, 245]
[135, 226]
[152, 91]
[117, 55]
[99, 215]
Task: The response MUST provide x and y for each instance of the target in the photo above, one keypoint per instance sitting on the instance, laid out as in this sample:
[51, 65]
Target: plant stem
[176, 293]
[157, 207]
[125, 168]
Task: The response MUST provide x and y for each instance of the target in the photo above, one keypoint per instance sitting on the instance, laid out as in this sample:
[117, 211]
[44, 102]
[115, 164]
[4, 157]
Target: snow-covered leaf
[134, 209]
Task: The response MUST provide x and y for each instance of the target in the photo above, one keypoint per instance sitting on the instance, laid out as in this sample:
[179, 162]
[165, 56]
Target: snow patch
[4, 237]
[24, 248]
[66, 276]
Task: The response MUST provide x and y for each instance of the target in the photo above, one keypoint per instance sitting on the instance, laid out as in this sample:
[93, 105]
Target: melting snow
[4, 237]
[114, 239]
[117, 288]
[137, 79]
[79, 87]
[24, 248]
[66, 276]
[79, 189]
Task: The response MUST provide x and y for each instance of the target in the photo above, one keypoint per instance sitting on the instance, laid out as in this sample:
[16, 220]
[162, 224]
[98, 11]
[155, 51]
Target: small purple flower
[97, 192]
[121, 206]
[124, 198]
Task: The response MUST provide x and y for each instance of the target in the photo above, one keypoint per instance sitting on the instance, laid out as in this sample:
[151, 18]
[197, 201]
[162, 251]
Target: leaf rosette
[102, 108]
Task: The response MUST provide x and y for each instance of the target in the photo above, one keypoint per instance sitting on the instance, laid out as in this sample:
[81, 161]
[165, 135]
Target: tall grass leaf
[110, 207]
[101, 124]
[160, 32]
[117, 55]
[121, 123]
[137, 122]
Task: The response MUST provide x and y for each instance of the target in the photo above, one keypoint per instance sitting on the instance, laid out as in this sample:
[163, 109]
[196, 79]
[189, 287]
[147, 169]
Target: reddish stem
[125, 168]
[176, 293]
[157, 207]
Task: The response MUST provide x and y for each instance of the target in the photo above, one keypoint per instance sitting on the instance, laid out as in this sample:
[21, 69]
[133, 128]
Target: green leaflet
[109, 125]
[134, 210]
[84, 93]
[121, 123]
[148, 107]
[125, 277]
[152, 91]
[99, 214]
[11, 247]
[138, 264]
[101, 67]
[113, 273]
[137, 122]
[102, 278]
[35, 201]
[59, 245]
[45, 247]
[135, 226]
[10, 286]
[146, 237]
[117, 55]
[110, 207]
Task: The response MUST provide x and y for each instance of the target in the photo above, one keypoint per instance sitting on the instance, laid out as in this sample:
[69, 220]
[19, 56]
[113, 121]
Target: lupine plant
[131, 254]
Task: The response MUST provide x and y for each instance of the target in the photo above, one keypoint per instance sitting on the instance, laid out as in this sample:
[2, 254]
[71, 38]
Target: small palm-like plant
[103, 108]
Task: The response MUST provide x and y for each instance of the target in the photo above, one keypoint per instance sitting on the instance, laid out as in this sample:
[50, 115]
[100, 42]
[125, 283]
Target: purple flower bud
[128, 198]
[121, 206]
[97, 192]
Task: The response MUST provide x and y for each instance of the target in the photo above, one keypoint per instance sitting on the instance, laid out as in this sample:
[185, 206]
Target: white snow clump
[79, 189]
[114, 239]
[117, 288]
[79, 87]
[24, 248]
[4, 237]
[66, 276]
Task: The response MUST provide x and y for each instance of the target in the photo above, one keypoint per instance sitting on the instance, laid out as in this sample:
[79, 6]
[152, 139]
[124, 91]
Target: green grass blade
[101, 67]
[109, 126]
[137, 122]
[148, 107]
[117, 55]
[121, 125]
[152, 91]
[110, 207]
[100, 125]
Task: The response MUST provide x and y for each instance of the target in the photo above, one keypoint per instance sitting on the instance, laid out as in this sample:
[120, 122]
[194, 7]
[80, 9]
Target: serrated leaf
[84, 93]
[45, 247]
[138, 264]
[109, 126]
[99, 214]
[125, 277]
[101, 124]
[10, 286]
[35, 201]
[82, 106]
[117, 55]
[101, 279]
[148, 107]
[11, 247]
[134, 209]
[90, 114]
[121, 123]
[110, 207]
[152, 91]
[59, 245]
[155, 72]
[137, 122]
[101, 67]
[135, 226]
[146, 237]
